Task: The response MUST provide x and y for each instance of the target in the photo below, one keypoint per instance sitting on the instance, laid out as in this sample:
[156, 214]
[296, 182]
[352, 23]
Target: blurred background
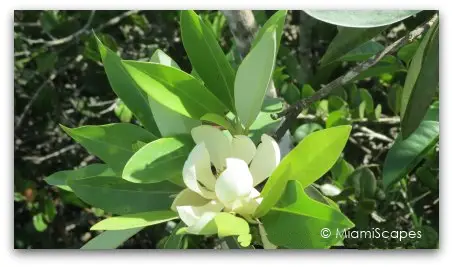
[58, 79]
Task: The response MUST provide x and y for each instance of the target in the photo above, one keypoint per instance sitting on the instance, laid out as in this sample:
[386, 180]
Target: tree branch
[291, 113]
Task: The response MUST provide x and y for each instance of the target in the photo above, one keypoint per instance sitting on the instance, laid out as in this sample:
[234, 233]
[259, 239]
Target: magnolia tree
[205, 152]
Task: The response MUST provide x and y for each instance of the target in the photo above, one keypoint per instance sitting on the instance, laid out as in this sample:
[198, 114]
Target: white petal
[188, 197]
[266, 159]
[198, 168]
[191, 214]
[235, 182]
[205, 225]
[242, 147]
[248, 205]
[217, 143]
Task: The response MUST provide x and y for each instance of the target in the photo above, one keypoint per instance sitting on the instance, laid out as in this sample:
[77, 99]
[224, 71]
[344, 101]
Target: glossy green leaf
[297, 220]
[229, 224]
[388, 64]
[337, 118]
[404, 155]
[126, 89]
[306, 163]
[168, 121]
[39, 222]
[253, 77]
[116, 195]
[433, 112]
[160, 57]
[174, 89]
[346, 40]
[60, 178]
[394, 98]
[341, 171]
[264, 123]
[304, 130]
[175, 241]
[111, 239]
[277, 20]
[290, 93]
[369, 103]
[135, 220]
[363, 182]
[122, 111]
[407, 52]
[336, 103]
[159, 160]
[113, 143]
[421, 83]
[207, 57]
[363, 52]
[361, 18]
[218, 120]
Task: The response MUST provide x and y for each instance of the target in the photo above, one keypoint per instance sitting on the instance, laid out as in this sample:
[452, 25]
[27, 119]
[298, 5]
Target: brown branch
[291, 113]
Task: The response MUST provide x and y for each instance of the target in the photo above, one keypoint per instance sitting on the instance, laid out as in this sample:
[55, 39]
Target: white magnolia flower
[228, 184]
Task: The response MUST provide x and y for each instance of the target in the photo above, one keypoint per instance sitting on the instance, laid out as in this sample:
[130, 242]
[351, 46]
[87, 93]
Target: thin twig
[41, 87]
[291, 113]
[372, 134]
[38, 160]
[63, 40]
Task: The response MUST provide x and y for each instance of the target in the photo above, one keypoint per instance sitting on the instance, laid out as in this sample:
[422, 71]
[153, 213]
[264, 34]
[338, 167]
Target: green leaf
[228, 225]
[341, 171]
[433, 112]
[111, 239]
[363, 182]
[160, 57]
[174, 89]
[126, 89]
[277, 20]
[421, 83]
[122, 111]
[61, 178]
[290, 93]
[46, 62]
[404, 155]
[49, 19]
[116, 195]
[297, 221]
[175, 241]
[337, 118]
[39, 222]
[347, 40]
[113, 143]
[407, 52]
[253, 78]
[264, 123]
[362, 18]
[306, 163]
[363, 52]
[369, 103]
[394, 98]
[168, 121]
[336, 103]
[388, 64]
[207, 57]
[135, 220]
[219, 120]
[304, 130]
[159, 160]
